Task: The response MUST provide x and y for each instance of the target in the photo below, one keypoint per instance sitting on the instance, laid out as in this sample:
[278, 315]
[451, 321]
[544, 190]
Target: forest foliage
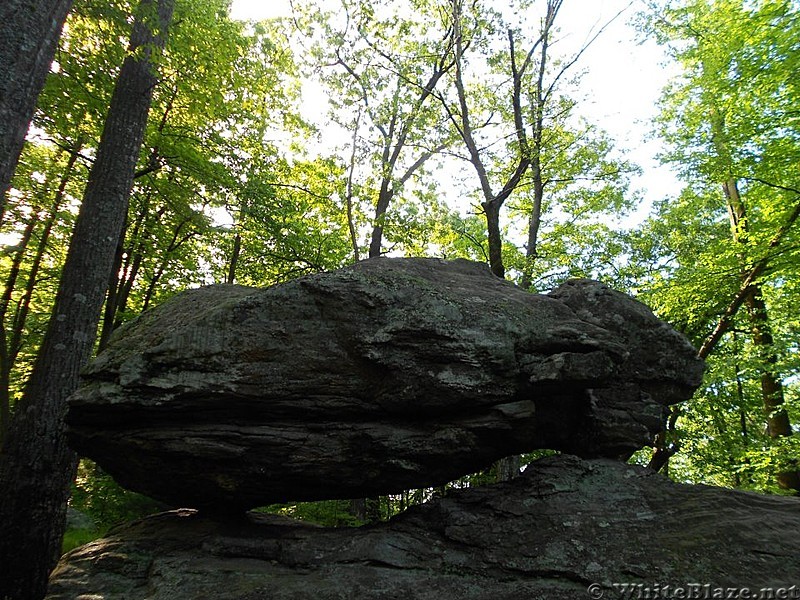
[452, 131]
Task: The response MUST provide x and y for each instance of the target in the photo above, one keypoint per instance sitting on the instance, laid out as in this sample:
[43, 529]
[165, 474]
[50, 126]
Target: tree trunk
[12, 333]
[384, 199]
[492, 211]
[29, 32]
[114, 284]
[534, 223]
[135, 256]
[663, 448]
[537, 135]
[349, 192]
[237, 249]
[771, 385]
[366, 510]
[778, 424]
[36, 466]
[6, 349]
[507, 468]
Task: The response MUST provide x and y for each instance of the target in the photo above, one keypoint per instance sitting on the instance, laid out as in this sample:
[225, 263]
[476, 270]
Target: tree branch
[755, 272]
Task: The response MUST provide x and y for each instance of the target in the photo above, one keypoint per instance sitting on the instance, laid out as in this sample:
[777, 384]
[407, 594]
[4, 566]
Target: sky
[623, 79]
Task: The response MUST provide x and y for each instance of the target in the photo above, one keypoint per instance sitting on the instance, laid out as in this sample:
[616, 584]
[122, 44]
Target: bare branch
[569, 64]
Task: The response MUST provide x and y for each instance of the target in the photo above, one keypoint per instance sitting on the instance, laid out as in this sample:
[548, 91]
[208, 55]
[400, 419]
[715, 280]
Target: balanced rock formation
[566, 529]
[388, 375]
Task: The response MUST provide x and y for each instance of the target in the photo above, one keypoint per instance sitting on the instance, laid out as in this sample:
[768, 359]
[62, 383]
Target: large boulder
[566, 529]
[388, 375]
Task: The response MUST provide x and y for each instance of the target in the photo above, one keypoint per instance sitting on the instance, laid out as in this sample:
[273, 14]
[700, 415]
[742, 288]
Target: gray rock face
[388, 375]
[561, 527]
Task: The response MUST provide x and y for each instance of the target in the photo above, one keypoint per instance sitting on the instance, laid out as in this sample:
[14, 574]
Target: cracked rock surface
[387, 375]
[566, 523]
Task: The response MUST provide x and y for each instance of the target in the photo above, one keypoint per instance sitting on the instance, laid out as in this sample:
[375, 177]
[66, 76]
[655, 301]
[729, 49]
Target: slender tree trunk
[663, 449]
[772, 399]
[6, 350]
[771, 385]
[36, 465]
[384, 199]
[29, 32]
[366, 510]
[135, 256]
[349, 192]
[151, 287]
[462, 120]
[113, 287]
[237, 249]
[10, 344]
[23, 309]
[131, 273]
[534, 223]
[778, 424]
[537, 135]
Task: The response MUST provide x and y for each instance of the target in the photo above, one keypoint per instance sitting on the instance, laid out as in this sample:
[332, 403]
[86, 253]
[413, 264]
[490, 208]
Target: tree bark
[492, 211]
[113, 287]
[537, 135]
[778, 424]
[349, 192]
[29, 33]
[234, 262]
[384, 199]
[36, 465]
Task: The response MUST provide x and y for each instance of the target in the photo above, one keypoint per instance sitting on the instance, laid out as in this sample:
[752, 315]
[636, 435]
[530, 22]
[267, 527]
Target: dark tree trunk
[665, 446]
[507, 468]
[36, 466]
[5, 349]
[537, 135]
[495, 238]
[366, 510]
[29, 32]
[534, 224]
[13, 328]
[351, 221]
[384, 199]
[112, 299]
[237, 250]
[778, 424]
[134, 255]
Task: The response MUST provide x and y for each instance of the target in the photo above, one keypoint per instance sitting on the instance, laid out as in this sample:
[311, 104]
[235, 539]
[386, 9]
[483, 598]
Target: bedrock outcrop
[388, 375]
[567, 529]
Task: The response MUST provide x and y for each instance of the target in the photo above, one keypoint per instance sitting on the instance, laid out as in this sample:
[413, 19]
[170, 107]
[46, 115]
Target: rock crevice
[565, 524]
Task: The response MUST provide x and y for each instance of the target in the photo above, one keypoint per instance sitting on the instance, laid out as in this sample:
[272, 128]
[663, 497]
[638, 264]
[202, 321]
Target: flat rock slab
[566, 529]
[388, 375]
